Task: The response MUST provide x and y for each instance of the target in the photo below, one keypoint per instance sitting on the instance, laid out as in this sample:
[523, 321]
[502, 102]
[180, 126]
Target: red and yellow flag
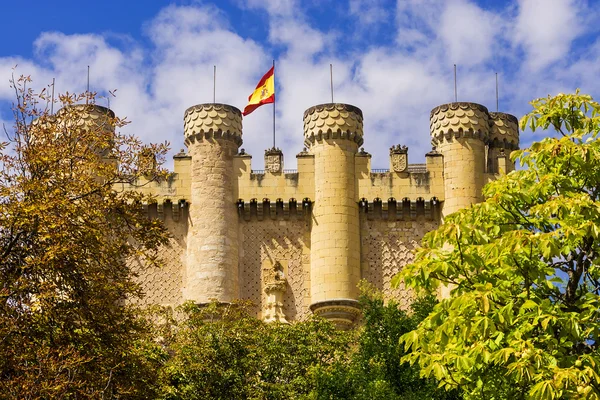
[263, 94]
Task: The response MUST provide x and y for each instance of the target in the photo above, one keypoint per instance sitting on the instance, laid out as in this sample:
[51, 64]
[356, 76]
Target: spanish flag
[263, 94]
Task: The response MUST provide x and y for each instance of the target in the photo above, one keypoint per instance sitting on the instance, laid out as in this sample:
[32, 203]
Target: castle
[297, 242]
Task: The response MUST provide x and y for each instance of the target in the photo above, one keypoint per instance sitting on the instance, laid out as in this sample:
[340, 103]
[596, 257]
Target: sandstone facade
[298, 242]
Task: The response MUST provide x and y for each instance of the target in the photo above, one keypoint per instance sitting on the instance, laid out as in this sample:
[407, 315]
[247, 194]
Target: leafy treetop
[66, 233]
[523, 317]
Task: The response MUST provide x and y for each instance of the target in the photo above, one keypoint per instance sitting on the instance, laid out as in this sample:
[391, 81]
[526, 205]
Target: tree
[223, 352]
[523, 317]
[373, 370]
[66, 233]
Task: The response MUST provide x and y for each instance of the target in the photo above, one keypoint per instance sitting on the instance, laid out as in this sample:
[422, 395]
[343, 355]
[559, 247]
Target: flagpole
[455, 91]
[331, 79]
[274, 100]
[214, 84]
[497, 102]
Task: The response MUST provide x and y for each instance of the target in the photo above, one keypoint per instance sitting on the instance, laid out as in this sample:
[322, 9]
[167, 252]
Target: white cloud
[546, 29]
[298, 38]
[416, 20]
[395, 84]
[173, 21]
[155, 87]
[276, 8]
[368, 12]
[468, 32]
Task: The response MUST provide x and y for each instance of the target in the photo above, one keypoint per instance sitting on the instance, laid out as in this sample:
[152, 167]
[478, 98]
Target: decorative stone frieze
[333, 121]
[504, 131]
[212, 121]
[342, 312]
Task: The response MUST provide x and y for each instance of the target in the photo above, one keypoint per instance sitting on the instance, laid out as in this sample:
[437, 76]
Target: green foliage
[374, 370]
[65, 237]
[523, 317]
[222, 352]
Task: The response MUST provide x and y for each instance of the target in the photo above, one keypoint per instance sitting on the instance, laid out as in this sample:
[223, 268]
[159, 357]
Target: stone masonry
[298, 242]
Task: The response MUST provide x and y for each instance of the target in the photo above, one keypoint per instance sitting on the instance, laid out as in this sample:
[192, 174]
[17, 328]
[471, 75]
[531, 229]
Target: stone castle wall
[296, 243]
[387, 247]
[263, 244]
[163, 285]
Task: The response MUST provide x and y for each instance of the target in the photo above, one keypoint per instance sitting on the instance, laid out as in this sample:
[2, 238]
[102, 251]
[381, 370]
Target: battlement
[399, 181]
[333, 121]
[504, 131]
[280, 209]
[459, 120]
[168, 210]
[325, 225]
[213, 120]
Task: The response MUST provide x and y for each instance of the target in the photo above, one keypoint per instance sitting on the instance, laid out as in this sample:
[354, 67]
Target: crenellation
[324, 226]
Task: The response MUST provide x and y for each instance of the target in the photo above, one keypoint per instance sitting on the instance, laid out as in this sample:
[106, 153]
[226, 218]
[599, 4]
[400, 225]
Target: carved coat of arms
[273, 160]
[273, 163]
[399, 158]
[399, 162]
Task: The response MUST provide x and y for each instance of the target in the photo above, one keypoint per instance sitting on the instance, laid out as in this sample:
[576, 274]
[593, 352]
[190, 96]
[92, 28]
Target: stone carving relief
[399, 162]
[273, 164]
[264, 242]
[273, 160]
[399, 158]
[275, 287]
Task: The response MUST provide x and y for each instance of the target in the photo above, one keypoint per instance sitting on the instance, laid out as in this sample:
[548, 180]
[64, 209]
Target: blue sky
[392, 59]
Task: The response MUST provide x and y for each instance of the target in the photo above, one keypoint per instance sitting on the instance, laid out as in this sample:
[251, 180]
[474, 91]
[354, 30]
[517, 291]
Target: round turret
[84, 116]
[90, 115]
[213, 120]
[333, 133]
[460, 132]
[213, 134]
[455, 120]
[78, 118]
[504, 131]
[333, 121]
[504, 137]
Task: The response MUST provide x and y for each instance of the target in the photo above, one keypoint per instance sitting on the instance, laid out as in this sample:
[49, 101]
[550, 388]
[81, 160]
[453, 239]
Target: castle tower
[460, 132]
[213, 134]
[85, 116]
[89, 118]
[504, 138]
[333, 132]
